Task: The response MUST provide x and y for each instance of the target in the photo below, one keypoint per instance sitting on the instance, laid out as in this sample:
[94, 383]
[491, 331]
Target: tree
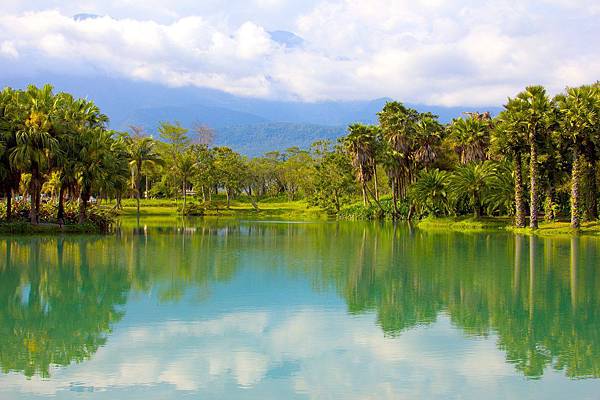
[412, 139]
[360, 144]
[334, 183]
[509, 141]
[186, 166]
[470, 137]
[430, 192]
[534, 111]
[579, 119]
[10, 176]
[34, 116]
[471, 182]
[230, 170]
[142, 151]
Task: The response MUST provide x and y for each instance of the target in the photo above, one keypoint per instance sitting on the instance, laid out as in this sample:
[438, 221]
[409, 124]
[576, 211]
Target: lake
[226, 309]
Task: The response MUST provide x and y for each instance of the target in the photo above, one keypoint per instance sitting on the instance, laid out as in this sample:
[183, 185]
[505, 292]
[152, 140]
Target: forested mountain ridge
[249, 125]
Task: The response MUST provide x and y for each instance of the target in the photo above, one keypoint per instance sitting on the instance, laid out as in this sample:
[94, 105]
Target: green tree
[35, 118]
[360, 142]
[509, 141]
[470, 137]
[579, 119]
[471, 182]
[142, 151]
[535, 113]
[334, 183]
[430, 192]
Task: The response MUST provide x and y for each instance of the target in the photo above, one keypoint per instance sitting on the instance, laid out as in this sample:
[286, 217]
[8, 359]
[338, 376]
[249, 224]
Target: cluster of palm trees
[477, 162]
[48, 138]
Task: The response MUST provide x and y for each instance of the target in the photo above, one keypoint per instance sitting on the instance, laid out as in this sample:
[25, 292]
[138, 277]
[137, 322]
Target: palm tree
[509, 141]
[141, 151]
[430, 191]
[470, 138]
[9, 175]
[412, 139]
[535, 113]
[186, 165]
[36, 141]
[471, 182]
[360, 144]
[579, 119]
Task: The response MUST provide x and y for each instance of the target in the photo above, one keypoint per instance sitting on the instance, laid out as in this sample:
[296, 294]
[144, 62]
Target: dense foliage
[539, 153]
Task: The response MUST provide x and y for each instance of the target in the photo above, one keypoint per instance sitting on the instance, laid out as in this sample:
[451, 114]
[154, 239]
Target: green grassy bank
[24, 228]
[470, 224]
[271, 208]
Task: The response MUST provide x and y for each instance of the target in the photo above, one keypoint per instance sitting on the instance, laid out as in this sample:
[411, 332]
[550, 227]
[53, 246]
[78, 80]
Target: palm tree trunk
[184, 196]
[519, 201]
[8, 205]
[34, 189]
[592, 196]
[575, 186]
[533, 171]
[364, 193]
[61, 205]
[395, 197]
[138, 188]
[83, 203]
[375, 182]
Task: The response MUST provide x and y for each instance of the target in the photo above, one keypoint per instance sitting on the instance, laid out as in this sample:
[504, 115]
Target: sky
[449, 53]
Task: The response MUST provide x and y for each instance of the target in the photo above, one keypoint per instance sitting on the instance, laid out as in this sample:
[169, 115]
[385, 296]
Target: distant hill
[249, 125]
[256, 139]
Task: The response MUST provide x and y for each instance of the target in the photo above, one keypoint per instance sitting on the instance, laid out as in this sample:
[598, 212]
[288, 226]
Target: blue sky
[420, 51]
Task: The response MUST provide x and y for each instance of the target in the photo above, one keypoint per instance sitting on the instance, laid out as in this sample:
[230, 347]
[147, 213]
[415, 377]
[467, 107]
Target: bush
[358, 211]
[98, 219]
[192, 209]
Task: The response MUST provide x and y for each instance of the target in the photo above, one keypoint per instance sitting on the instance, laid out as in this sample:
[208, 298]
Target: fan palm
[470, 138]
[430, 192]
[534, 111]
[579, 119]
[471, 182]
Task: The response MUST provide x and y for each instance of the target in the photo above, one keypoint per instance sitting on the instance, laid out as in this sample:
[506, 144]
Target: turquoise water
[225, 309]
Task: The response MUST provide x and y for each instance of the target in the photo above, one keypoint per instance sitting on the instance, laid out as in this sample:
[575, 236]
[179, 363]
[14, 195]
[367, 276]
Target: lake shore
[470, 224]
[25, 228]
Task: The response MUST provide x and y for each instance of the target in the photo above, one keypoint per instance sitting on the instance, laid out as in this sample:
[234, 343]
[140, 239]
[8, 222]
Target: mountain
[249, 125]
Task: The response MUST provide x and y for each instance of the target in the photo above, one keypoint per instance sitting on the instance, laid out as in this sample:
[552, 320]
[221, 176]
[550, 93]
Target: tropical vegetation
[537, 158]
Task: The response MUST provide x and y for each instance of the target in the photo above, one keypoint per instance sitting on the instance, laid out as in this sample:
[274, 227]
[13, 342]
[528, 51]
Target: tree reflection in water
[60, 297]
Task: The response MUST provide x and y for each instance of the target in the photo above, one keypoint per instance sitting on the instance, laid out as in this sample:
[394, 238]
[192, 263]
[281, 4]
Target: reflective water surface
[226, 309]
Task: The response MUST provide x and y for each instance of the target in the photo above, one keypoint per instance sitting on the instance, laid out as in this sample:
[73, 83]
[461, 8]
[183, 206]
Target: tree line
[539, 153]
[481, 164]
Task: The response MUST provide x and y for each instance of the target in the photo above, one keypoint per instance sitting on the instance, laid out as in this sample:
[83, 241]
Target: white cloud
[8, 49]
[427, 51]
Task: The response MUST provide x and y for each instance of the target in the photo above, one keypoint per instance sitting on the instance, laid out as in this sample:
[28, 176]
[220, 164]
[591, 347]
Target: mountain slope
[247, 124]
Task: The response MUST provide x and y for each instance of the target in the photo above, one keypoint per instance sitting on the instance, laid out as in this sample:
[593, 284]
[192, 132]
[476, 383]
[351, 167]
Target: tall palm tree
[360, 144]
[142, 151]
[579, 119]
[509, 141]
[9, 175]
[36, 140]
[412, 139]
[535, 113]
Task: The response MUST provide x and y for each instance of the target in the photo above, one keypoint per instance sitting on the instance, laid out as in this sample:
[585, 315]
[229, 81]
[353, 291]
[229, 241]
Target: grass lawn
[470, 224]
[271, 208]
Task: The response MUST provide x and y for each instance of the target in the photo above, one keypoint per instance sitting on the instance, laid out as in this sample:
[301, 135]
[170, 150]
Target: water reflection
[61, 297]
